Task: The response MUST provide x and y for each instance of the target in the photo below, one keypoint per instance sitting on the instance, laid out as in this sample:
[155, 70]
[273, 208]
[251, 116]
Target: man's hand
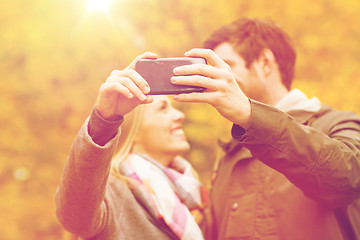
[222, 90]
[123, 91]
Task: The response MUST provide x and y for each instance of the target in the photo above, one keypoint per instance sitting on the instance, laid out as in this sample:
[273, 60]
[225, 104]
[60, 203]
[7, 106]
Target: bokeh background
[55, 55]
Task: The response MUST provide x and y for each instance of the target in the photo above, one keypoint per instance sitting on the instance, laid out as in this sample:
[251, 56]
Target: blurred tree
[55, 55]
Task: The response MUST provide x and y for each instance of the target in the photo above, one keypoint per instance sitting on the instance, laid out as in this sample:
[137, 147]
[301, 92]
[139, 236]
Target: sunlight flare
[102, 5]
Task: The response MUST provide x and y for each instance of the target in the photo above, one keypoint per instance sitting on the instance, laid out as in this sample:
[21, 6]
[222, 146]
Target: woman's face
[161, 135]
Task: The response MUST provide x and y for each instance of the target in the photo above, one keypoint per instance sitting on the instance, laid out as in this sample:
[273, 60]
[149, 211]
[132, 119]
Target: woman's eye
[164, 107]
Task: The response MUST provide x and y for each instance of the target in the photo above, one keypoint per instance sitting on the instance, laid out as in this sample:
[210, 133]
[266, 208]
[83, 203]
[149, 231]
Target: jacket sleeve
[325, 163]
[81, 206]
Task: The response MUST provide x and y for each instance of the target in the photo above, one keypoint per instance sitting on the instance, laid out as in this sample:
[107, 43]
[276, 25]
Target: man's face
[250, 79]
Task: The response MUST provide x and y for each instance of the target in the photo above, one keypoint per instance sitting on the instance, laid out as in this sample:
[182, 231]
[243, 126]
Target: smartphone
[157, 72]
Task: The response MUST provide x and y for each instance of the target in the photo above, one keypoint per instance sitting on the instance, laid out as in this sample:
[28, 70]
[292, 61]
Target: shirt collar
[297, 100]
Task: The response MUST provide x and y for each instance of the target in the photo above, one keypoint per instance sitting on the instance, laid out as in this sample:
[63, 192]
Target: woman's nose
[178, 115]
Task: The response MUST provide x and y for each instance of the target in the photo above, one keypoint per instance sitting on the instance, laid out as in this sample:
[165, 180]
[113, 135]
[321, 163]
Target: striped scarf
[168, 193]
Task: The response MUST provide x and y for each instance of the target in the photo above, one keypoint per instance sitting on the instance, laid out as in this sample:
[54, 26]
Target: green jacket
[288, 177]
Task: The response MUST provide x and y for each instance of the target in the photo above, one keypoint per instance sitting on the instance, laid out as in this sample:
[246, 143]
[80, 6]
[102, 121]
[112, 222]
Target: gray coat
[93, 205]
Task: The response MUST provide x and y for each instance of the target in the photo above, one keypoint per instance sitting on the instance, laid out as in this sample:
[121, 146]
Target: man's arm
[326, 166]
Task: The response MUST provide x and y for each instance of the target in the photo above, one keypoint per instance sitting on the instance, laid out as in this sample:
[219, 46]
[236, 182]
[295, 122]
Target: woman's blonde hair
[129, 128]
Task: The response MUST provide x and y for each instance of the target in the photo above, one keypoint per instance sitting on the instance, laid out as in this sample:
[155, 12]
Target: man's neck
[276, 96]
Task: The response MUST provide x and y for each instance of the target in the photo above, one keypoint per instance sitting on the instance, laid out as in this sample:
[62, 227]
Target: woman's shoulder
[127, 214]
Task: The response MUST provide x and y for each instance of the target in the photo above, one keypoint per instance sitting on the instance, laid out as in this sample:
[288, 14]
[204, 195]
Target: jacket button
[234, 206]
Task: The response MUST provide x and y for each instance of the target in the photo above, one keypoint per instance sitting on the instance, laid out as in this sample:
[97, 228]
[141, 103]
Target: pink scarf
[168, 193]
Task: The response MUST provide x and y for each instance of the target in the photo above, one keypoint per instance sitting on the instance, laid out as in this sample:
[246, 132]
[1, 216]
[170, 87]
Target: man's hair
[249, 36]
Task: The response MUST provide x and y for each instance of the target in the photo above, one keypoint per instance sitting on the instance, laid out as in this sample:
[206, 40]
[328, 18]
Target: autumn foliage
[55, 55]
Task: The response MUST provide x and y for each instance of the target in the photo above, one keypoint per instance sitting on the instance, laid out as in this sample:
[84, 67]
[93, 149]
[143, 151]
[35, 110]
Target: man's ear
[267, 61]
